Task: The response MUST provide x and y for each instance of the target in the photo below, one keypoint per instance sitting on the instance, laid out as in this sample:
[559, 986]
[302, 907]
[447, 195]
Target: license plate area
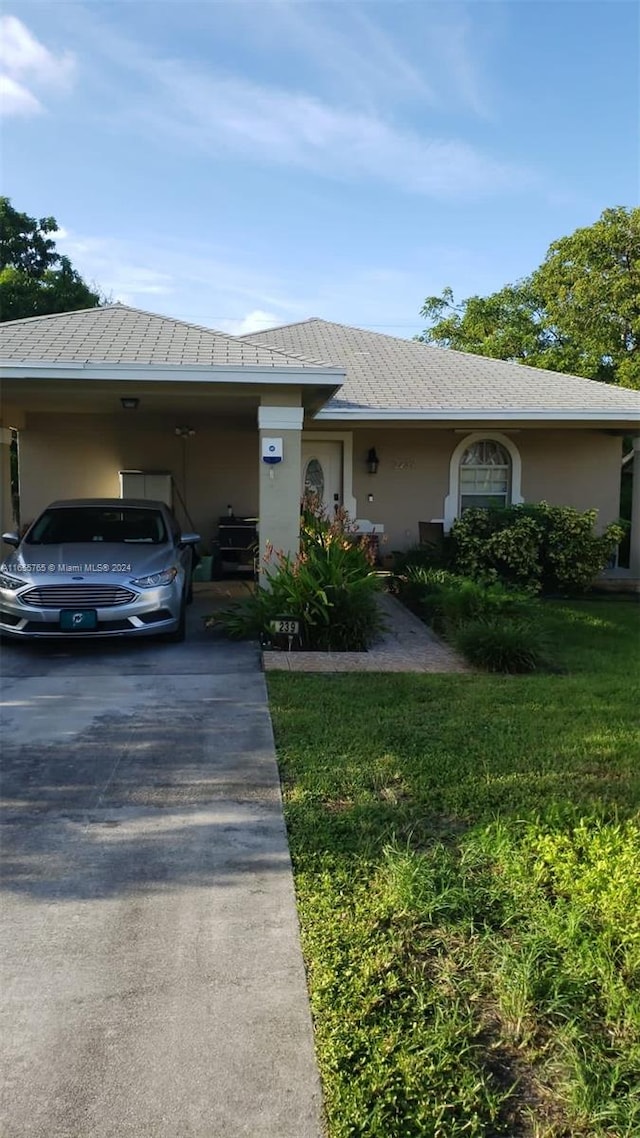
[78, 620]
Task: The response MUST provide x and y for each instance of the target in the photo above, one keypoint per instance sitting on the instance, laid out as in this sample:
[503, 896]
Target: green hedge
[542, 548]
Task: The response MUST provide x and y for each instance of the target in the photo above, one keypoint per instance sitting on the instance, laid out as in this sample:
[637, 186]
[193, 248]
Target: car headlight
[156, 580]
[11, 583]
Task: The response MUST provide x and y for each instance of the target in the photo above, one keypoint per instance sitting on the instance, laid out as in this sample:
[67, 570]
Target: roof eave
[541, 415]
[330, 379]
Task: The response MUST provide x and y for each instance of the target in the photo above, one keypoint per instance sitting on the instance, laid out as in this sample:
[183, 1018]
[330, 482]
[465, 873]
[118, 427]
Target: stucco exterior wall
[565, 467]
[80, 456]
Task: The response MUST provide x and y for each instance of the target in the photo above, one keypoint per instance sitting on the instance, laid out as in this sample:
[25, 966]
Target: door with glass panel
[322, 473]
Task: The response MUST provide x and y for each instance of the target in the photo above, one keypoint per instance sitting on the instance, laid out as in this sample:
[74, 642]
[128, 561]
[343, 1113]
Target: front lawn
[466, 851]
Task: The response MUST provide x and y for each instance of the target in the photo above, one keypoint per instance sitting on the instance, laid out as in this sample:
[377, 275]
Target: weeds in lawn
[466, 853]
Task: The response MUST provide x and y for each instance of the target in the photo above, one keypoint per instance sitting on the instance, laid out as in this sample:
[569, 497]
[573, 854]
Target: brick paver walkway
[407, 645]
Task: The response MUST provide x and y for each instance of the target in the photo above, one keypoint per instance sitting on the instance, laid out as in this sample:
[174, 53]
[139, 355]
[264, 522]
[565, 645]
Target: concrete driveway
[152, 979]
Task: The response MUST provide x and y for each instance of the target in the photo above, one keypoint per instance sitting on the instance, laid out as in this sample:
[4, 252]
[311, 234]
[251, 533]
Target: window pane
[314, 478]
[486, 452]
[468, 476]
[481, 501]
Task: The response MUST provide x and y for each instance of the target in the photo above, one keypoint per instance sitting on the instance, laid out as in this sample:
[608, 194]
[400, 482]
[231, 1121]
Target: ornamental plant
[330, 587]
[502, 644]
[541, 548]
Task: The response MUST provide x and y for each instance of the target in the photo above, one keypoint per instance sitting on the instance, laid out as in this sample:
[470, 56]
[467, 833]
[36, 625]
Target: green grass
[466, 852]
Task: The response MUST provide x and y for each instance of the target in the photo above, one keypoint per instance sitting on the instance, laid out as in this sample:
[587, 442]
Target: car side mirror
[189, 538]
[11, 538]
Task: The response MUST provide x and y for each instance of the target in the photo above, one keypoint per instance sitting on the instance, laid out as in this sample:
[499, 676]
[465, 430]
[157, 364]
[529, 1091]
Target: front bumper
[153, 611]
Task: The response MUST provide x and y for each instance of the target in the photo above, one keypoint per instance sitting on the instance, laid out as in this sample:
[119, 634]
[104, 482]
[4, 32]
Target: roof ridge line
[213, 332]
[438, 349]
[51, 315]
[218, 332]
[279, 327]
[334, 324]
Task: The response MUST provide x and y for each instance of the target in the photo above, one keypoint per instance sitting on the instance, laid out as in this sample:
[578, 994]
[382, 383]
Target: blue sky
[241, 164]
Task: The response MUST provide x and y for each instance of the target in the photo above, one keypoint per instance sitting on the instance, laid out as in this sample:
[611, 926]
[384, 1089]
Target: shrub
[426, 555]
[329, 587]
[462, 600]
[445, 600]
[543, 548]
[502, 644]
[419, 588]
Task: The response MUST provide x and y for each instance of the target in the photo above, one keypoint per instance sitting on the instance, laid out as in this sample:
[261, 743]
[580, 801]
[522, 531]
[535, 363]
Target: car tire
[179, 633]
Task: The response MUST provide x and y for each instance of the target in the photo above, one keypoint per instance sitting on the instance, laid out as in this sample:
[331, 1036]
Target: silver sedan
[98, 567]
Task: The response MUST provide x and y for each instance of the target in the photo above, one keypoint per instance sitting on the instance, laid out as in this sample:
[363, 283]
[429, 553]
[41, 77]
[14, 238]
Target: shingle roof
[387, 373]
[118, 334]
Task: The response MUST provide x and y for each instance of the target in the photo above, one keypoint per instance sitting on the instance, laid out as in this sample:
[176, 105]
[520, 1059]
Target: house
[397, 431]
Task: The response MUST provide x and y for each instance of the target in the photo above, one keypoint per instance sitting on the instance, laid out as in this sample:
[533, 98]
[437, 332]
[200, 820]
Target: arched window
[485, 475]
[485, 469]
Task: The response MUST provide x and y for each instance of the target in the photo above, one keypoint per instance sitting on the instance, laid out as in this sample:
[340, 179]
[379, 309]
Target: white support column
[6, 504]
[634, 558]
[279, 484]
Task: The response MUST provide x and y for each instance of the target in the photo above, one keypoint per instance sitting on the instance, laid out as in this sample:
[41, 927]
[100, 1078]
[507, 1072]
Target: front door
[322, 472]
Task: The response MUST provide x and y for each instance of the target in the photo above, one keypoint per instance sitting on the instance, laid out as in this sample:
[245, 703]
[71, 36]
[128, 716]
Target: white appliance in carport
[155, 484]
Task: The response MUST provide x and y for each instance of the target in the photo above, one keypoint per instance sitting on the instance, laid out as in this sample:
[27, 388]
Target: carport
[95, 393]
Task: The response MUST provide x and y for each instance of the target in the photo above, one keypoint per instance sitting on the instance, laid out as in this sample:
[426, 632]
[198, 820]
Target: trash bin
[203, 570]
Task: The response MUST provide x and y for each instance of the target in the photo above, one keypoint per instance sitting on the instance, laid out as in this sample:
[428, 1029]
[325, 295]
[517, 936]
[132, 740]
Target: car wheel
[179, 633]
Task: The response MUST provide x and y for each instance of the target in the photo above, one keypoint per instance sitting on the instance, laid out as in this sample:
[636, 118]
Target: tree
[578, 312]
[36, 280]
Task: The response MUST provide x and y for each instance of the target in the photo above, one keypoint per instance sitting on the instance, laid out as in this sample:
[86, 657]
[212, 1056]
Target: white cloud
[202, 287]
[16, 99]
[22, 54]
[342, 41]
[25, 62]
[254, 321]
[295, 129]
[116, 272]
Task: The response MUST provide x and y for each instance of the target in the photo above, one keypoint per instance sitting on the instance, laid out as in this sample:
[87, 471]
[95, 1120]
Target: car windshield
[97, 523]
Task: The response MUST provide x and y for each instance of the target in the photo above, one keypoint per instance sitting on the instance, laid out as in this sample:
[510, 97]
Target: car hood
[91, 560]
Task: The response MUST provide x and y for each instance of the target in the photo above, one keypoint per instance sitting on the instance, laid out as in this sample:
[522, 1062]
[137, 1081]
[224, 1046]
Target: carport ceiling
[103, 398]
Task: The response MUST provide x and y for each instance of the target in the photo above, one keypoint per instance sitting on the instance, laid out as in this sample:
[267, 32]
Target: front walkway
[152, 978]
[407, 645]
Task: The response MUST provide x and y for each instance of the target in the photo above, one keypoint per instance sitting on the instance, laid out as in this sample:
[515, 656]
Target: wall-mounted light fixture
[129, 403]
[185, 432]
[372, 461]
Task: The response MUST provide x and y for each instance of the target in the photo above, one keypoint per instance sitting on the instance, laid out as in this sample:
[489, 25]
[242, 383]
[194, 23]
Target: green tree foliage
[36, 280]
[579, 312]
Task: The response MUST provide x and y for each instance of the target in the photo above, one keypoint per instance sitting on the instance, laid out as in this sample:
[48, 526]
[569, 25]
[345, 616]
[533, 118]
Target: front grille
[77, 596]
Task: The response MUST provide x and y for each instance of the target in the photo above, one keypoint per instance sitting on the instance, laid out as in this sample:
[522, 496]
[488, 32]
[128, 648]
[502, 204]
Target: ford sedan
[98, 567]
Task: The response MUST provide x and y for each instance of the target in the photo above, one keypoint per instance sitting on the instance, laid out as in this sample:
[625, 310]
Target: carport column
[6, 505]
[279, 483]
[634, 559]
